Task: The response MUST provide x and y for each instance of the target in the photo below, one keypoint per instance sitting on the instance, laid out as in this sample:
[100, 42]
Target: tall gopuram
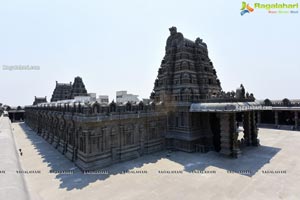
[186, 73]
[62, 91]
[78, 88]
[186, 76]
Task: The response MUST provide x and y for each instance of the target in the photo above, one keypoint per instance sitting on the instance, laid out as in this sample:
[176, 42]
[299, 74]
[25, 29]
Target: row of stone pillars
[229, 133]
[277, 118]
[16, 116]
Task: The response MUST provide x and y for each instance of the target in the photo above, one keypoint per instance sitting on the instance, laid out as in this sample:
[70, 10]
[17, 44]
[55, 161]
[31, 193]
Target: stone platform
[12, 184]
[270, 171]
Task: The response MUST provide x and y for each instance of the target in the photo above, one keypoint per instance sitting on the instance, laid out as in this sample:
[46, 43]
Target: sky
[118, 45]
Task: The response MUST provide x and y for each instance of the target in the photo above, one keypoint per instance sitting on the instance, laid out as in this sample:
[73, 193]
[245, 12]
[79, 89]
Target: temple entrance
[215, 129]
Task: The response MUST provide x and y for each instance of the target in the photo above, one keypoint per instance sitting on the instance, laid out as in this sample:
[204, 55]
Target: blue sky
[118, 45]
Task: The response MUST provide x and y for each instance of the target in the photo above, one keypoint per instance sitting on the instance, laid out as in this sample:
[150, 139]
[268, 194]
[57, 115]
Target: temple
[188, 111]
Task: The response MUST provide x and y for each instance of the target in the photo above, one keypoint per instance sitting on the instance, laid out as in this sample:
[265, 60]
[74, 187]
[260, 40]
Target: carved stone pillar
[86, 140]
[114, 142]
[258, 117]
[276, 118]
[76, 143]
[254, 130]
[90, 149]
[226, 136]
[233, 130]
[247, 128]
[39, 128]
[55, 133]
[122, 138]
[296, 120]
[50, 136]
[142, 138]
[209, 135]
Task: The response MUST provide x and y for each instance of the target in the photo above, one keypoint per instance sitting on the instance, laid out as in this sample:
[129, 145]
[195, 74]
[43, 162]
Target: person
[21, 153]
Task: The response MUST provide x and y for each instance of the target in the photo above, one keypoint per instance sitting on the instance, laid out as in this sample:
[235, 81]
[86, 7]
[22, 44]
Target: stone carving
[175, 40]
[240, 92]
[199, 42]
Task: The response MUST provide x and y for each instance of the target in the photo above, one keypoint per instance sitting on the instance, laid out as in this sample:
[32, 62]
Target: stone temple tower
[62, 91]
[186, 76]
[78, 88]
[186, 72]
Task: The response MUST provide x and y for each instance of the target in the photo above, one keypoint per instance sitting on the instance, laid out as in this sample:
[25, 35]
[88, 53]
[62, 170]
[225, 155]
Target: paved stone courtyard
[270, 171]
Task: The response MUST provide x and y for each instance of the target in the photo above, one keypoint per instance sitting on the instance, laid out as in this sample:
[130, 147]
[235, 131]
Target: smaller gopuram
[38, 100]
[78, 88]
[62, 91]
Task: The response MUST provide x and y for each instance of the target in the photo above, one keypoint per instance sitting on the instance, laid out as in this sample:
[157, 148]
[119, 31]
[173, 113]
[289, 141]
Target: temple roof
[40, 98]
[64, 84]
[226, 107]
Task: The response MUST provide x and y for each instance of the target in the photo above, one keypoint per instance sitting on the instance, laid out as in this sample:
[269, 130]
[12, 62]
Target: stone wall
[96, 137]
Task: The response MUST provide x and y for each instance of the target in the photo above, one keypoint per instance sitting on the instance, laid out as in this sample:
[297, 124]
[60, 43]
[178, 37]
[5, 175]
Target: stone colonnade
[276, 117]
[96, 141]
[229, 134]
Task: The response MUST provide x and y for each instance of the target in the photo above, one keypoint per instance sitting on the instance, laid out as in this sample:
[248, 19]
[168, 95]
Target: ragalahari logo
[246, 8]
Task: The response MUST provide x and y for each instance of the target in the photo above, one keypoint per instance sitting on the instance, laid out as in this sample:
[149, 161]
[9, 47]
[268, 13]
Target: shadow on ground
[248, 164]
[252, 159]
[58, 162]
